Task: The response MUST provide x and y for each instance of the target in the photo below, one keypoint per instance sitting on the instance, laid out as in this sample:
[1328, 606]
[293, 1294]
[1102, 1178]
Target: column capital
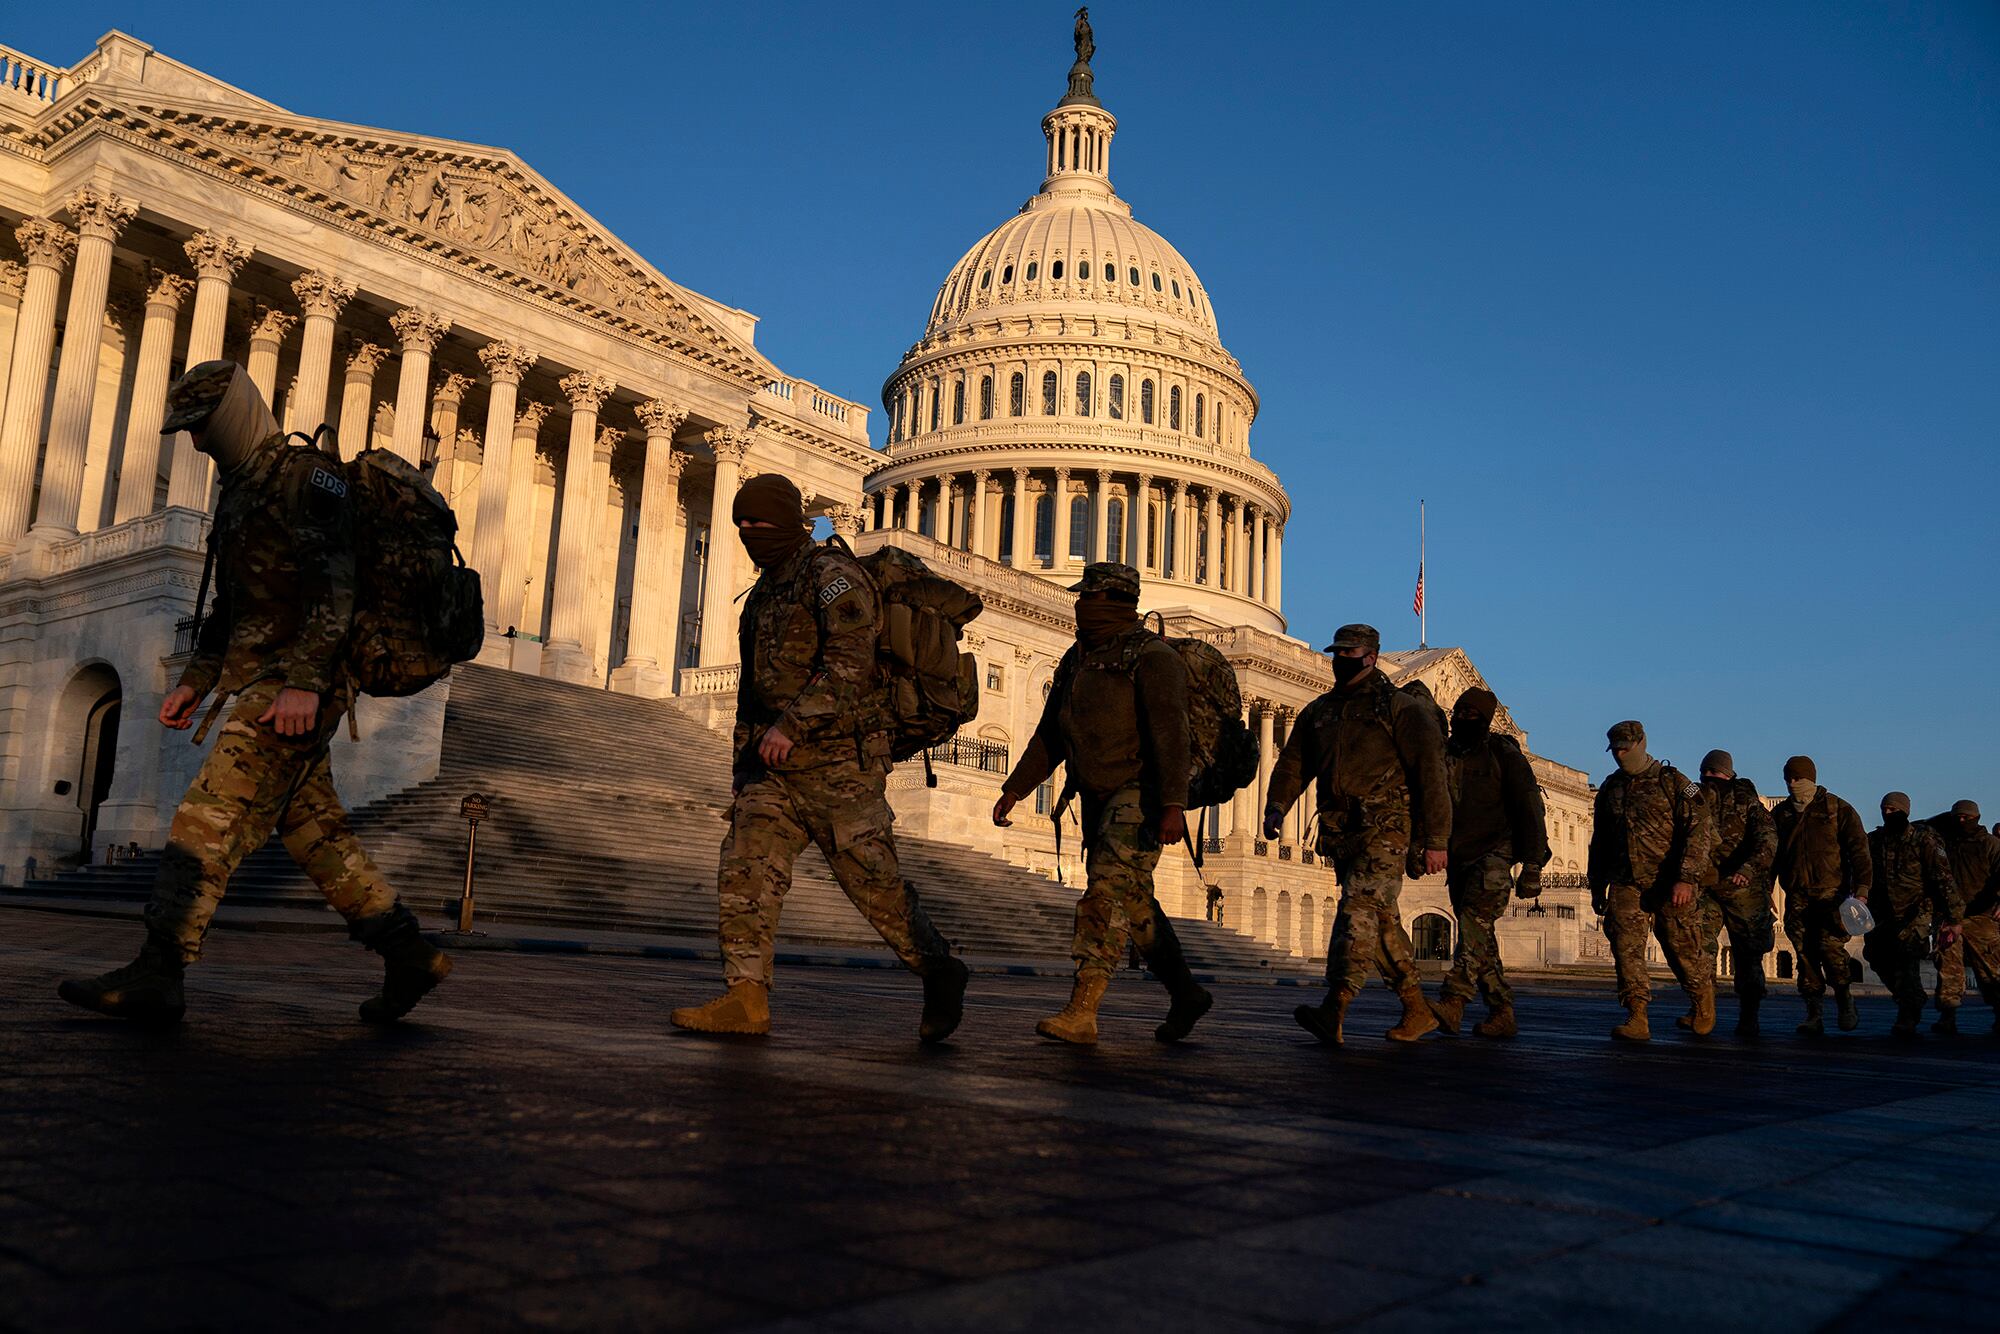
[1062, 475]
[981, 476]
[99, 212]
[45, 243]
[531, 417]
[366, 358]
[586, 390]
[215, 255]
[451, 389]
[730, 443]
[660, 416]
[419, 329]
[846, 520]
[466, 441]
[676, 462]
[167, 289]
[321, 293]
[13, 277]
[1104, 476]
[608, 440]
[1180, 488]
[1020, 476]
[506, 362]
[270, 324]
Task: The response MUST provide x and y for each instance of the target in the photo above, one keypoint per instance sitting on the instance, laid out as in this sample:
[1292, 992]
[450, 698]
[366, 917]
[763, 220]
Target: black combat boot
[944, 1000]
[1324, 1021]
[412, 964]
[1907, 1015]
[1850, 1018]
[1747, 1006]
[1814, 1026]
[1189, 1000]
[146, 990]
[1946, 1024]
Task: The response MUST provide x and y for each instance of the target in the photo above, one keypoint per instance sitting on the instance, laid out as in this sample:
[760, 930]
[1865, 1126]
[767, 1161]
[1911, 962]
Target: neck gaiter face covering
[770, 546]
[1635, 760]
[1099, 622]
[1803, 790]
[1346, 669]
[1467, 733]
[1896, 821]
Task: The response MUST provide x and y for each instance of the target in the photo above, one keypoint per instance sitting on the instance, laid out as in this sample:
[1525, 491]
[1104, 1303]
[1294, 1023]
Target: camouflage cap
[1628, 733]
[1897, 801]
[1478, 702]
[1364, 637]
[193, 398]
[1718, 762]
[1968, 809]
[1110, 578]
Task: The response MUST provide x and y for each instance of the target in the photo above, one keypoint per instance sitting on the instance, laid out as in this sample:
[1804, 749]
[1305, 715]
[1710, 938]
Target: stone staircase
[607, 815]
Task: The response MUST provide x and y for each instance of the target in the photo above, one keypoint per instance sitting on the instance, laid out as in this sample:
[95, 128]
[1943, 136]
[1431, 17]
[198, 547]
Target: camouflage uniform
[807, 641]
[1377, 755]
[285, 600]
[1498, 819]
[1745, 842]
[1651, 831]
[1975, 863]
[1822, 858]
[1913, 892]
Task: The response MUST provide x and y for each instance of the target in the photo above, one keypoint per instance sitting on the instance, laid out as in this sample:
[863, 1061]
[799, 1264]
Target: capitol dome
[1072, 372]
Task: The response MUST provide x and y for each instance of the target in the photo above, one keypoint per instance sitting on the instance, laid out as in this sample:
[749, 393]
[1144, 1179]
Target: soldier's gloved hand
[1274, 822]
[775, 747]
[1528, 884]
[293, 712]
[1435, 860]
[1740, 880]
[177, 709]
[1002, 807]
[1173, 826]
[1683, 894]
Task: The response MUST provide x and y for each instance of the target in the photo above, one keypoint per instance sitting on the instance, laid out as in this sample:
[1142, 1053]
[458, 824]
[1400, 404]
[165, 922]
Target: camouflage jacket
[1975, 863]
[1118, 717]
[1378, 758]
[1496, 804]
[1912, 878]
[807, 643]
[1745, 838]
[1822, 848]
[1650, 830]
[283, 544]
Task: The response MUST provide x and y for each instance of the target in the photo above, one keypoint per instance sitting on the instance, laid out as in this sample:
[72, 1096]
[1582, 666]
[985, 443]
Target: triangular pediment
[1447, 673]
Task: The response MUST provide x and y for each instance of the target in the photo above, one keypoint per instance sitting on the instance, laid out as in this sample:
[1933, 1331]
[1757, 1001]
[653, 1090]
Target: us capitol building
[589, 420]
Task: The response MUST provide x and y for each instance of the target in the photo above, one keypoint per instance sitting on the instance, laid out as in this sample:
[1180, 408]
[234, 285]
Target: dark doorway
[1431, 935]
[100, 760]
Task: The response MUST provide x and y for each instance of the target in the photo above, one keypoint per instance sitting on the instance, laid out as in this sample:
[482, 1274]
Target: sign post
[474, 809]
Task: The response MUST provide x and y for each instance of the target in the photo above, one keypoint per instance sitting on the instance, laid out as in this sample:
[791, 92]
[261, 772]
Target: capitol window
[1116, 398]
[1055, 270]
[1133, 273]
[1045, 528]
[985, 397]
[1114, 530]
[1017, 399]
[937, 402]
[1174, 408]
[1007, 274]
[1079, 527]
[985, 280]
[1082, 271]
[1177, 289]
[1083, 393]
[1032, 267]
[1146, 402]
[1048, 393]
[1156, 282]
[1200, 407]
[958, 403]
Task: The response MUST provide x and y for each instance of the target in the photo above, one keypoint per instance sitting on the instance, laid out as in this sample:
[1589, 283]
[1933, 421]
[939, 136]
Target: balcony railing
[972, 753]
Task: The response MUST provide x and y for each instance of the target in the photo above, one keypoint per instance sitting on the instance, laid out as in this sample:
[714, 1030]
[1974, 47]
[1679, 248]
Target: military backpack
[931, 688]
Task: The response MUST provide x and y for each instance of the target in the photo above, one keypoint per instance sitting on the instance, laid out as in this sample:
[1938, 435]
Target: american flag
[1417, 604]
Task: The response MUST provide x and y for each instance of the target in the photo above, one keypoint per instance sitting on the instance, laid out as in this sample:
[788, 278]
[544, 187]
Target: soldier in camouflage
[1649, 848]
[1737, 890]
[811, 766]
[1497, 820]
[1117, 720]
[1975, 865]
[1377, 754]
[282, 546]
[1913, 895]
[1822, 858]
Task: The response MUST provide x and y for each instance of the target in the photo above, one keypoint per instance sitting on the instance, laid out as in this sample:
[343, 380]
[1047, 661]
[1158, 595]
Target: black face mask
[770, 546]
[1467, 733]
[1098, 620]
[1895, 821]
[1346, 669]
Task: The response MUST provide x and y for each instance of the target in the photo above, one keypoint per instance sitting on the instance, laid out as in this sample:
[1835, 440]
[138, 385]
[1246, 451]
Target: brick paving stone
[538, 1150]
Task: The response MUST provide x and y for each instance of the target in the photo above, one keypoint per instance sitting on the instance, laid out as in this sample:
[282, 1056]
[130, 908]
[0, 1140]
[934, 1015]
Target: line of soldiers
[1402, 791]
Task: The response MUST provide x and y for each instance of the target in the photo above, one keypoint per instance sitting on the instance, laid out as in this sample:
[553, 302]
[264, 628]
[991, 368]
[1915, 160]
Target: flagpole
[1424, 608]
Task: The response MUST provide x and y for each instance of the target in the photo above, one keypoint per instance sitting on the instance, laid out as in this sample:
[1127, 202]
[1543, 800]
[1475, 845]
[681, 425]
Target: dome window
[1146, 402]
[1048, 393]
[1156, 282]
[1133, 274]
[937, 402]
[1200, 411]
[986, 280]
[1079, 528]
[1017, 395]
[1174, 408]
[1177, 289]
[1055, 271]
[1083, 393]
[985, 397]
[958, 403]
[1115, 398]
[1007, 275]
[1033, 267]
[1083, 271]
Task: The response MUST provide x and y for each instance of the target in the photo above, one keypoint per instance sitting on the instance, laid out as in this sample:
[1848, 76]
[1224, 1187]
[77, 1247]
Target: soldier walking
[1975, 863]
[283, 547]
[811, 766]
[1737, 891]
[1913, 893]
[1497, 820]
[1649, 846]
[1117, 719]
[1822, 858]
[1377, 754]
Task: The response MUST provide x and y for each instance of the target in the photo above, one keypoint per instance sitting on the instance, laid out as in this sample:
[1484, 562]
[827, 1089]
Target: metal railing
[971, 753]
[183, 637]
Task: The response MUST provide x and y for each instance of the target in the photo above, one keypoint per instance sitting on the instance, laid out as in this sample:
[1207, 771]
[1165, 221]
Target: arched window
[985, 397]
[1115, 403]
[1033, 267]
[1079, 527]
[1152, 535]
[1048, 393]
[1133, 274]
[1146, 402]
[958, 403]
[937, 402]
[1177, 289]
[1307, 945]
[986, 280]
[1006, 530]
[1174, 408]
[1285, 920]
[1114, 530]
[1156, 282]
[1259, 905]
[1007, 274]
[1045, 528]
[1083, 393]
[1016, 395]
[1055, 270]
[1200, 410]
[1083, 270]
[896, 421]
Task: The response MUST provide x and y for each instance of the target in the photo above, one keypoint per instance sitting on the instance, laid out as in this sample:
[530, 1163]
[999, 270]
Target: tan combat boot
[1635, 1028]
[1417, 1017]
[1450, 1012]
[1078, 1021]
[1499, 1024]
[744, 1008]
[146, 991]
[1701, 1019]
[1326, 1020]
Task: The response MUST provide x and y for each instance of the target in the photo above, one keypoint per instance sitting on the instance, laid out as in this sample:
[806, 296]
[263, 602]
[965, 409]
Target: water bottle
[1854, 915]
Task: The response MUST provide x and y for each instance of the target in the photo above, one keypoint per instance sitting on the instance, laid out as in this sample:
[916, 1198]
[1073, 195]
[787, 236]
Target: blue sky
[1684, 318]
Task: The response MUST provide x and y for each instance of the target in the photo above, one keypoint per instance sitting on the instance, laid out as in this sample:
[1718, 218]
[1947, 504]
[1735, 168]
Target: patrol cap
[1363, 637]
[1628, 733]
[1897, 801]
[1110, 578]
[769, 497]
[1718, 762]
[220, 403]
[1479, 702]
[1969, 809]
[1801, 766]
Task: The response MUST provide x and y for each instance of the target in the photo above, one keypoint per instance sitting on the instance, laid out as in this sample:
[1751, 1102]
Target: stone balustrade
[807, 397]
[22, 76]
[720, 679]
[168, 529]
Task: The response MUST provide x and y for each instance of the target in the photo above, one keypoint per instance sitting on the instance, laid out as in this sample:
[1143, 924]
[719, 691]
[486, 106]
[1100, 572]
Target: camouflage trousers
[1978, 943]
[839, 808]
[1368, 934]
[1117, 902]
[1630, 917]
[1746, 911]
[1479, 891]
[1812, 920]
[253, 783]
[1897, 953]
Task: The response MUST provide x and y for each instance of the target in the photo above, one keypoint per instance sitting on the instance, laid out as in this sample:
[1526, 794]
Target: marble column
[268, 329]
[453, 470]
[522, 551]
[216, 258]
[1024, 521]
[138, 478]
[567, 657]
[1059, 502]
[1180, 568]
[898, 499]
[100, 217]
[419, 331]
[1253, 565]
[980, 541]
[494, 525]
[103, 462]
[13, 277]
[1139, 521]
[1267, 755]
[718, 601]
[47, 247]
[357, 395]
[1212, 552]
[321, 296]
[648, 668]
[1274, 579]
[1100, 529]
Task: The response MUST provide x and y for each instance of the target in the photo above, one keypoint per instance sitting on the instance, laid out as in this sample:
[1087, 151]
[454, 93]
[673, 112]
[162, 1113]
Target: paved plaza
[538, 1149]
